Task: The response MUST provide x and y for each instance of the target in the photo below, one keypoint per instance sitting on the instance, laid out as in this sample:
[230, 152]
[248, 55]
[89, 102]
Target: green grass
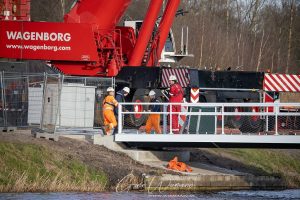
[27, 167]
[271, 162]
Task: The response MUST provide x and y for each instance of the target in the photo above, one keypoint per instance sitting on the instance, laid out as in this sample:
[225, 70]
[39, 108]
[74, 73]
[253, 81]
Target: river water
[232, 195]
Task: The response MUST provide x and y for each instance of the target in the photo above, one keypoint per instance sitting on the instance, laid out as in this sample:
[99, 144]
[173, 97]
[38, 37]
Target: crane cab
[169, 53]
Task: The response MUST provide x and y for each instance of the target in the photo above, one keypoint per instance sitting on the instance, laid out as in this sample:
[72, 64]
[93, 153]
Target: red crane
[88, 42]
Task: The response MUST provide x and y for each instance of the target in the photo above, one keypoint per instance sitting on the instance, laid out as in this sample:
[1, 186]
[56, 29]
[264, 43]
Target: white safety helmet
[110, 89]
[152, 93]
[126, 89]
[172, 78]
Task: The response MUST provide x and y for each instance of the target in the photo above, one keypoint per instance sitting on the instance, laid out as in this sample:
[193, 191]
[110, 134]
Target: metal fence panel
[90, 93]
[35, 98]
[77, 106]
[51, 97]
[21, 99]
[35, 104]
[51, 101]
[2, 102]
[15, 101]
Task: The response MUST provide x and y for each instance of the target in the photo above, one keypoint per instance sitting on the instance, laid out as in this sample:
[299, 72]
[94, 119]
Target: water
[232, 195]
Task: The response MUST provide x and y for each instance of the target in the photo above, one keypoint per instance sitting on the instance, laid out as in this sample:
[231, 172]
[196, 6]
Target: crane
[89, 41]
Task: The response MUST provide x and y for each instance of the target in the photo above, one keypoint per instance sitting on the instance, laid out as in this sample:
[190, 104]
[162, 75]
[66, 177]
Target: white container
[75, 108]
[35, 103]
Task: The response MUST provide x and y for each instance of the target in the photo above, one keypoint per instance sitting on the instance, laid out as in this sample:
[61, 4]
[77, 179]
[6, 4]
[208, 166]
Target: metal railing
[214, 118]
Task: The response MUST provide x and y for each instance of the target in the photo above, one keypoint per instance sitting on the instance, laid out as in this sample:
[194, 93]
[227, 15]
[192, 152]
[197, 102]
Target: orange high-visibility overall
[110, 121]
[153, 121]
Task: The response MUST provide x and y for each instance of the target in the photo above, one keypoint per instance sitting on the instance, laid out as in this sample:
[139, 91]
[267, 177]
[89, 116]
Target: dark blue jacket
[120, 96]
[120, 99]
[154, 108]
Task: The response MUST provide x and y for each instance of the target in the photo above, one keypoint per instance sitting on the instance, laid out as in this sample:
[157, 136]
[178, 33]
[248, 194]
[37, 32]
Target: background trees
[254, 35]
[244, 34]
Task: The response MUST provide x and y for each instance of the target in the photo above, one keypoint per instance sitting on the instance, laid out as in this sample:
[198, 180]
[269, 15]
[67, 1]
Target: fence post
[44, 100]
[216, 120]
[165, 121]
[120, 122]
[58, 112]
[113, 82]
[26, 106]
[3, 99]
[267, 120]
[222, 111]
[171, 118]
[276, 118]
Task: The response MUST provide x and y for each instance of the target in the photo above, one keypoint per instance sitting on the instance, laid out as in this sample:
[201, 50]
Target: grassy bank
[30, 167]
[280, 163]
[274, 162]
[28, 164]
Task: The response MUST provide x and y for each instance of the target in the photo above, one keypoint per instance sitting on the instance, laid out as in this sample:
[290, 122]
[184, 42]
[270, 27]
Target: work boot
[105, 128]
[102, 131]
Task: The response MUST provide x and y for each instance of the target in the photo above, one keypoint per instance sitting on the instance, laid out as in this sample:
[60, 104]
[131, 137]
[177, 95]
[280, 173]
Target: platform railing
[212, 118]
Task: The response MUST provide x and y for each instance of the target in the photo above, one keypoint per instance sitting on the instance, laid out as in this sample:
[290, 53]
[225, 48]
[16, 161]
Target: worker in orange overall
[176, 96]
[109, 104]
[179, 166]
[153, 119]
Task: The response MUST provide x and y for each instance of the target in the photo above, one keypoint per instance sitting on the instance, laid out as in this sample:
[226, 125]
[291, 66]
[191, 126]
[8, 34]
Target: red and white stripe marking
[195, 95]
[182, 76]
[282, 82]
[182, 118]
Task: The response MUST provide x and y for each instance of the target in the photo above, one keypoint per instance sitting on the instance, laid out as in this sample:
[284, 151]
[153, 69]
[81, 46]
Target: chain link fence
[52, 87]
[210, 118]
[18, 108]
[51, 101]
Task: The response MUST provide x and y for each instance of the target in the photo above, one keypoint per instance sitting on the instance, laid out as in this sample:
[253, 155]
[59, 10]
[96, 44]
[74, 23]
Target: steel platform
[208, 140]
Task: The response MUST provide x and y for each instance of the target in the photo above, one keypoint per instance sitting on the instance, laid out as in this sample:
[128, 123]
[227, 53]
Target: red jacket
[176, 93]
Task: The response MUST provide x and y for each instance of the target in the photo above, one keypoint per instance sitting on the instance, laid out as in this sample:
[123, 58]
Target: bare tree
[292, 11]
[279, 49]
[63, 7]
[202, 37]
[262, 46]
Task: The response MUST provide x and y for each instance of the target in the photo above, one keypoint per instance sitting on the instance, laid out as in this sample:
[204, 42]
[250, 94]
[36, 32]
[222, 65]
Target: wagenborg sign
[47, 41]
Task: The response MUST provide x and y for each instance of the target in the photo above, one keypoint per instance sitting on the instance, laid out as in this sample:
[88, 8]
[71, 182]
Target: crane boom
[163, 32]
[145, 33]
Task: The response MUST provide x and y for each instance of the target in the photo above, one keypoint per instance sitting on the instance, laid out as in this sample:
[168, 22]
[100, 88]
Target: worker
[154, 118]
[120, 96]
[109, 104]
[176, 96]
